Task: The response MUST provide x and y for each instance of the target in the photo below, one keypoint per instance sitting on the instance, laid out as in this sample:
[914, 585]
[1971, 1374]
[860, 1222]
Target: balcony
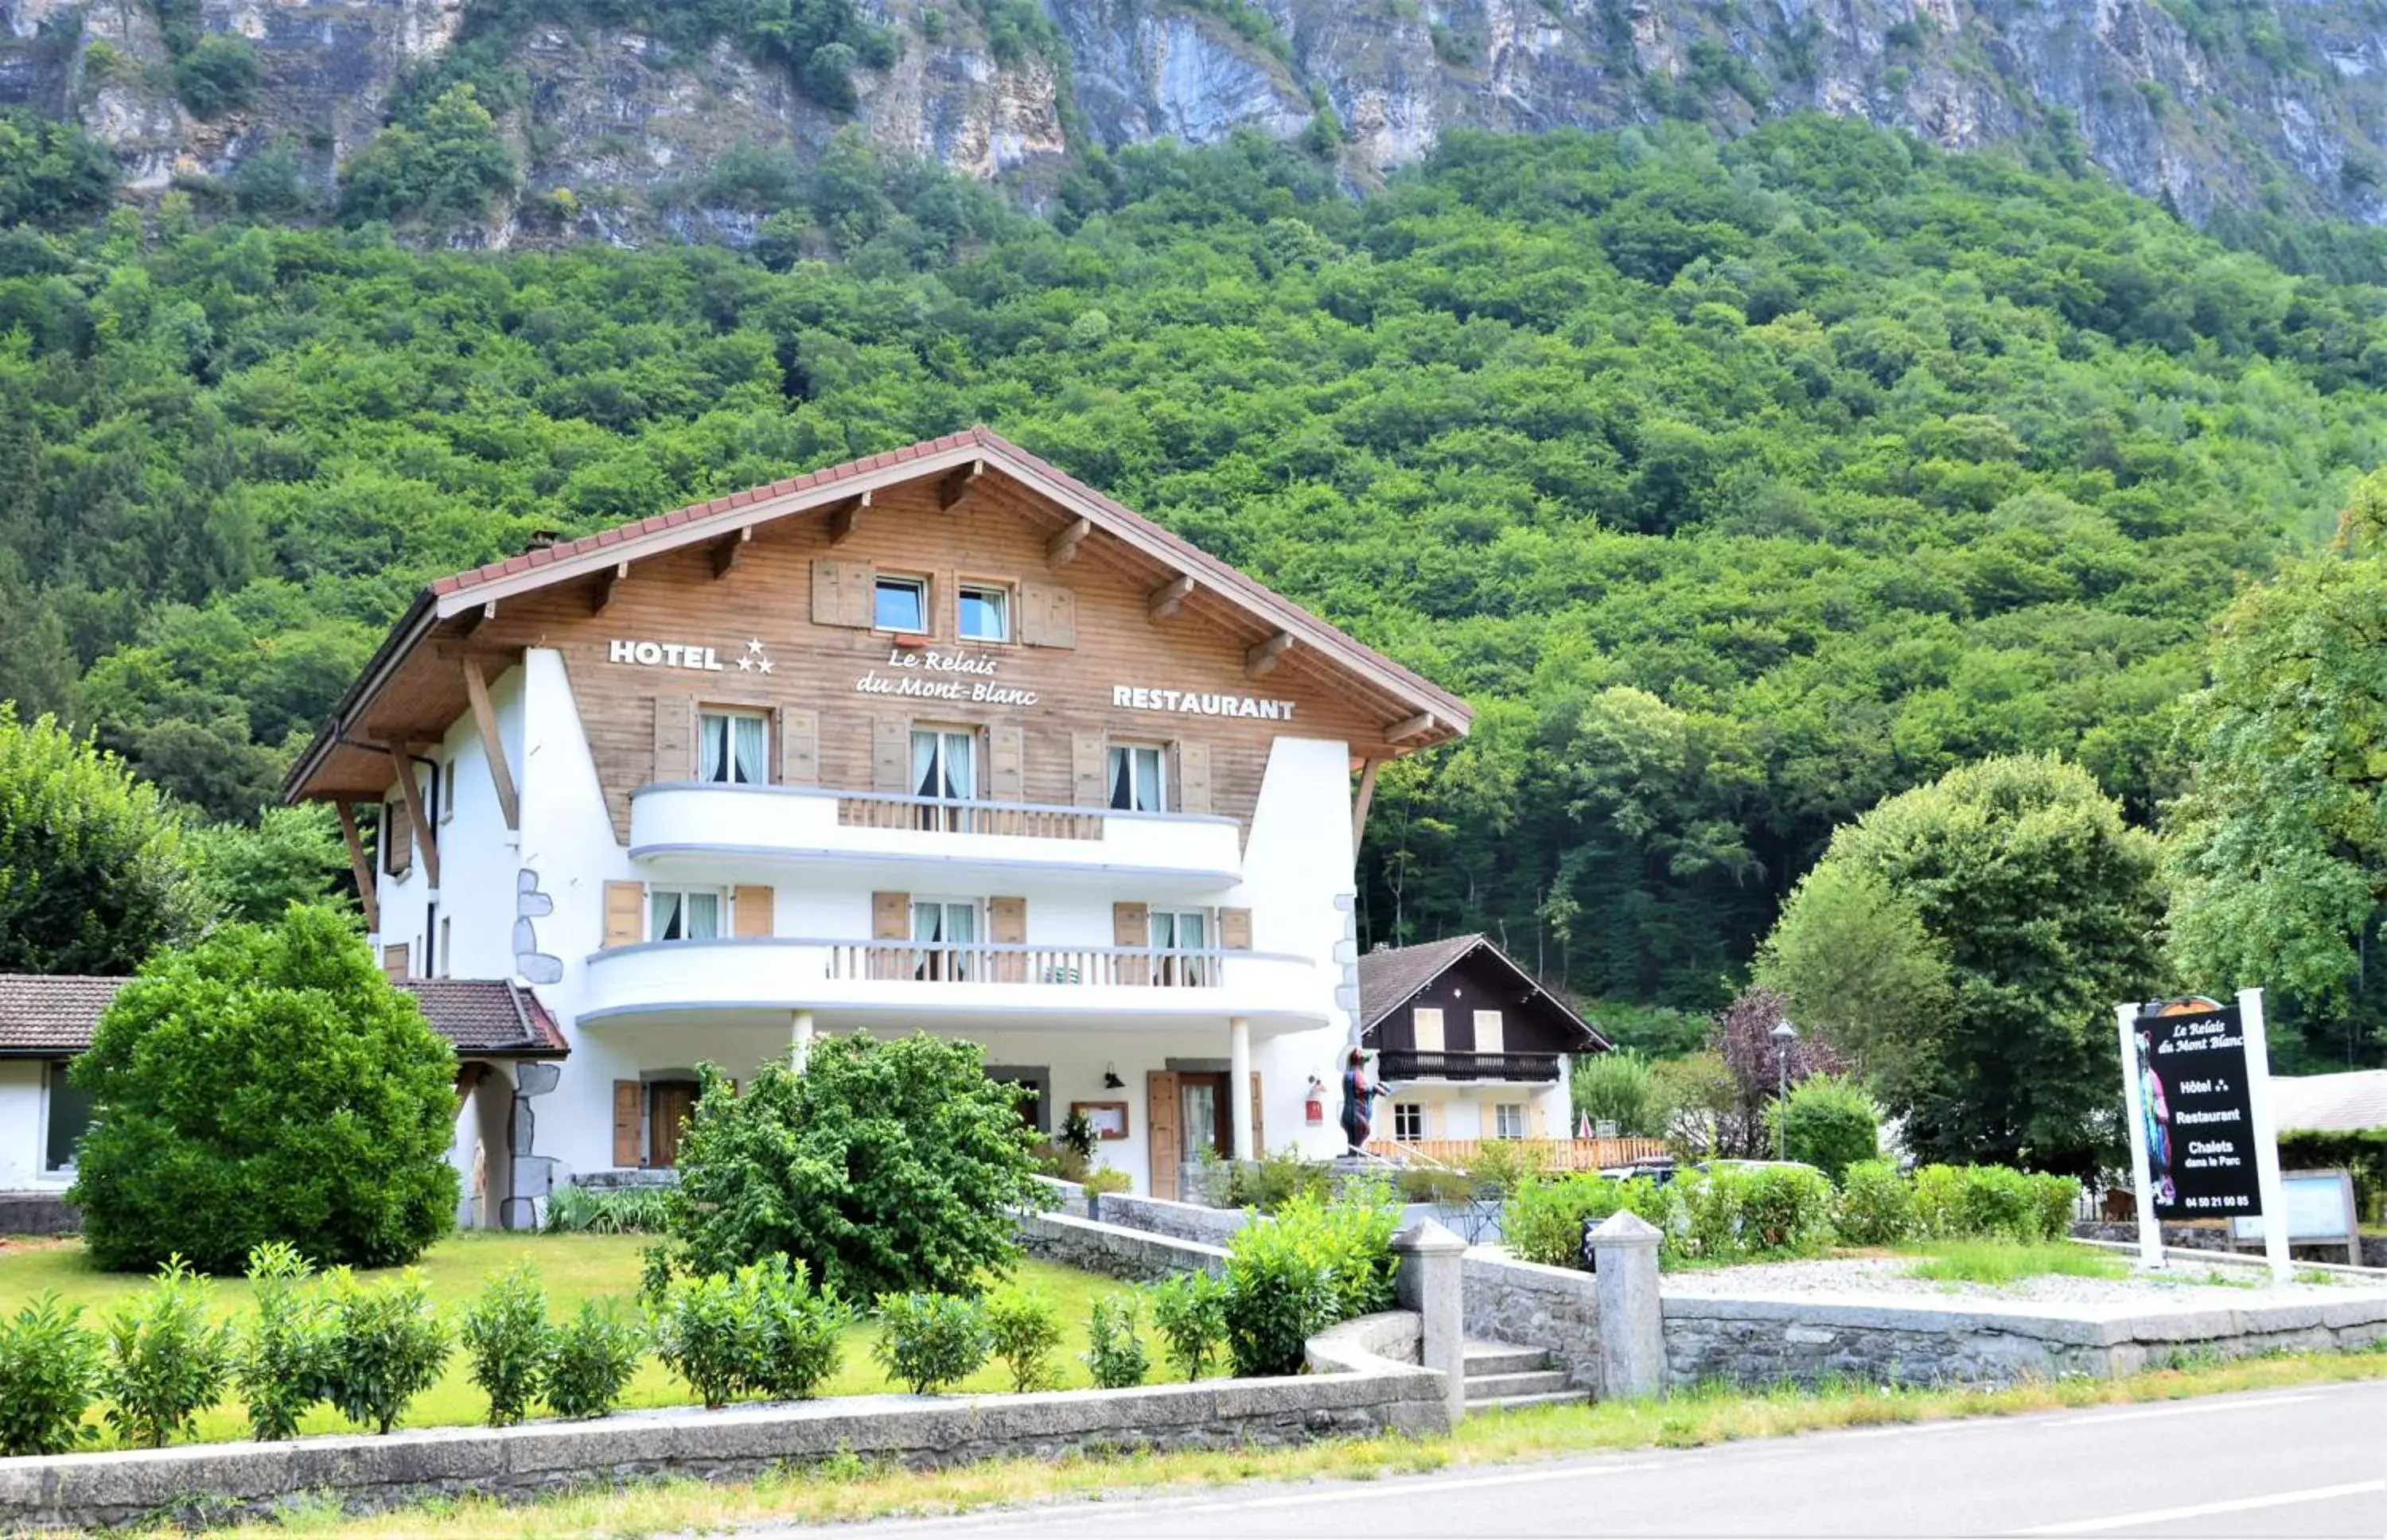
[1411, 1064]
[980, 986]
[713, 833]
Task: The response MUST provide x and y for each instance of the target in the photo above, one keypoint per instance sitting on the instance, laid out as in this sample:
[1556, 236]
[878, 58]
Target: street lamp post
[1784, 1035]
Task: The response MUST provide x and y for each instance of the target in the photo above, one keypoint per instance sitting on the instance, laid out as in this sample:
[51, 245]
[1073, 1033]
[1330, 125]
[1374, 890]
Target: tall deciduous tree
[2044, 902]
[1855, 964]
[94, 873]
[2279, 857]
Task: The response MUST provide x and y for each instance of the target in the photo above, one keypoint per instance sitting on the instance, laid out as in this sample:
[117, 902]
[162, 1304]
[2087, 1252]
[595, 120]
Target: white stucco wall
[24, 1128]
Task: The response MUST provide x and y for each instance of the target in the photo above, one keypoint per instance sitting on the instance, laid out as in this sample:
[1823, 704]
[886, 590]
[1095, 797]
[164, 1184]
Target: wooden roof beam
[360, 868]
[610, 580]
[959, 484]
[729, 551]
[1062, 549]
[493, 744]
[1410, 728]
[1261, 657]
[426, 839]
[1170, 598]
[479, 618]
[841, 518]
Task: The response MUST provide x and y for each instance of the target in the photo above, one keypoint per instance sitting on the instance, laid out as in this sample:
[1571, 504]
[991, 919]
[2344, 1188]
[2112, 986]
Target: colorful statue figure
[2156, 1115]
[1359, 1096]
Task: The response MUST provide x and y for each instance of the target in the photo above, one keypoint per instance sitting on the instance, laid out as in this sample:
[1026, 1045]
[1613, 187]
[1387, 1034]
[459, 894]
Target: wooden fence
[1550, 1154]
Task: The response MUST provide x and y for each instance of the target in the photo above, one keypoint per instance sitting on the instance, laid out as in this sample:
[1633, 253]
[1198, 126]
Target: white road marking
[2205, 1510]
[1343, 1491]
[2181, 1408]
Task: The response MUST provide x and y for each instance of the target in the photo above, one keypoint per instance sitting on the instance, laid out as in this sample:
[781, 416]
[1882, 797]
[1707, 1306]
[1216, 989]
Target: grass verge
[851, 1489]
[2006, 1262]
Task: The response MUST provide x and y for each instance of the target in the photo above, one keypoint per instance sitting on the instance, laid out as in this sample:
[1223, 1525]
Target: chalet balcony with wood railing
[1409, 1063]
[712, 832]
[877, 983]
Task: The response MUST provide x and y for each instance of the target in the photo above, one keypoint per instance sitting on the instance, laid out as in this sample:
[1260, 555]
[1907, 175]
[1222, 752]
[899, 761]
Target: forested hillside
[1737, 487]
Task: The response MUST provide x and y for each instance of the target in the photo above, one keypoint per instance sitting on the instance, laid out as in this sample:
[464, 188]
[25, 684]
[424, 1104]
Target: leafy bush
[1353, 1237]
[928, 1342]
[54, 174]
[1431, 1185]
[1876, 1206]
[2054, 1201]
[761, 1330]
[594, 1355]
[341, 1149]
[1620, 1088]
[1993, 1202]
[1273, 1180]
[1106, 1179]
[281, 1363]
[218, 76]
[1115, 1351]
[1024, 1329]
[605, 1210]
[1279, 1291]
[387, 1347]
[166, 1361]
[1503, 1164]
[49, 1371]
[1827, 1121]
[506, 1338]
[1734, 1211]
[1938, 1194]
[888, 1166]
[702, 1334]
[446, 168]
[1190, 1309]
[1544, 1218]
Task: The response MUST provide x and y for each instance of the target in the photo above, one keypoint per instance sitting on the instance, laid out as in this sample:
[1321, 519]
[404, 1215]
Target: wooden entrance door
[668, 1105]
[1179, 1101]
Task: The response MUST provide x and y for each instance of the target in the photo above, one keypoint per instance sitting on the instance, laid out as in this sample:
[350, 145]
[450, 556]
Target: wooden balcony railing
[961, 816]
[999, 962]
[1549, 1154]
[1409, 1063]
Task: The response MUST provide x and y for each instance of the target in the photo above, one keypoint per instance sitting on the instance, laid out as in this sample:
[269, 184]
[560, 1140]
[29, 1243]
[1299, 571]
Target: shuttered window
[1134, 779]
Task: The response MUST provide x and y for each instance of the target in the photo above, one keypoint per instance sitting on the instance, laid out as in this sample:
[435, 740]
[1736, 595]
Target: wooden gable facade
[1461, 1009]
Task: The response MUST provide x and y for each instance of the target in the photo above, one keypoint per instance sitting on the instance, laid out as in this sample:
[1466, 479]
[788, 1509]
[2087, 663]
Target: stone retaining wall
[37, 1213]
[2194, 1237]
[1114, 1251]
[219, 1482]
[1756, 1341]
[1527, 1305]
[1187, 1221]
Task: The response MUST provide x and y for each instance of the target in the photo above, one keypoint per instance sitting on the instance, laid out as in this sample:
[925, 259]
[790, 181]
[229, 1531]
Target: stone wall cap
[1426, 1238]
[1625, 1227]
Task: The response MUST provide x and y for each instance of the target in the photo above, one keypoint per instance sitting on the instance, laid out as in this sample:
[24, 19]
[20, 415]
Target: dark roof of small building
[49, 1015]
[1392, 976]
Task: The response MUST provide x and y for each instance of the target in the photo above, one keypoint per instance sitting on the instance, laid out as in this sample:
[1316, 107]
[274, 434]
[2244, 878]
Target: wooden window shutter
[798, 746]
[1425, 1029]
[1006, 762]
[1089, 768]
[1048, 615]
[1235, 929]
[1192, 777]
[396, 835]
[1537, 1122]
[891, 754]
[1131, 926]
[1489, 1032]
[629, 1100]
[891, 916]
[1160, 1129]
[393, 962]
[750, 906]
[1007, 921]
[1259, 1133]
[626, 904]
[1436, 1123]
[842, 592]
[675, 737]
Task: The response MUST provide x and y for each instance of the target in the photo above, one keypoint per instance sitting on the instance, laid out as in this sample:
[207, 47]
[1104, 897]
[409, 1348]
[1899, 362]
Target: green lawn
[2007, 1261]
[573, 1266]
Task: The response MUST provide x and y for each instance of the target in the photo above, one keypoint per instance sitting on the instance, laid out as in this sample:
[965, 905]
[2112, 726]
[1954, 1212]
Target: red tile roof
[52, 1016]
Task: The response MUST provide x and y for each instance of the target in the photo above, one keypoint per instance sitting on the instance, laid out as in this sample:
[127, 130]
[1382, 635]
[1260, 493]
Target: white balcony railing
[663, 981]
[699, 830]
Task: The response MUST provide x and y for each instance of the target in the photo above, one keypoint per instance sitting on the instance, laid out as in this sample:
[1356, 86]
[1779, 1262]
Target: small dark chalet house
[1475, 1048]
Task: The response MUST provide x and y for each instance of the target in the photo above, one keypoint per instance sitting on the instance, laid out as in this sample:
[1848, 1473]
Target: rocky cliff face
[2211, 104]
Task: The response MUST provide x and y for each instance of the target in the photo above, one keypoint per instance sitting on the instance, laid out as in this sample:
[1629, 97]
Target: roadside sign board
[2194, 1099]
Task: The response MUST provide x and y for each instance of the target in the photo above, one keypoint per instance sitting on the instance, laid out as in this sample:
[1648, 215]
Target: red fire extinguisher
[1313, 1110]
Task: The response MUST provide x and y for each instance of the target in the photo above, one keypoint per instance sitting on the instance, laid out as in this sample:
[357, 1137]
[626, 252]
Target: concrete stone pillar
[800, 1045]
[1239, 1087]
[1429, 1280]
[1632, 1331]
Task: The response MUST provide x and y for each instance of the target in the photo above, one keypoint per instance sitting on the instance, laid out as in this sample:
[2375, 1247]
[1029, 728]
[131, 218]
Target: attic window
[900, 605]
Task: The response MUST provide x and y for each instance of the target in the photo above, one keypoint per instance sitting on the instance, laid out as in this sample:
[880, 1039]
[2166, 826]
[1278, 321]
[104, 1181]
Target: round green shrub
[1829, 1122]
[1876, 1206]
[267, 1084]
[1114, 1350]
[927, 1342]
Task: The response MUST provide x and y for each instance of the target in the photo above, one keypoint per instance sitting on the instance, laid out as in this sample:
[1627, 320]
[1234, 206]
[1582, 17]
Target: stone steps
[1502, 1377]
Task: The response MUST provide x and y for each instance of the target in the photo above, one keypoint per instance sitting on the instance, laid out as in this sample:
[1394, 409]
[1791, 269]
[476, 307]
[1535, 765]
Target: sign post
[2197, 1081]
[2134, 1113]
[2266, 1137]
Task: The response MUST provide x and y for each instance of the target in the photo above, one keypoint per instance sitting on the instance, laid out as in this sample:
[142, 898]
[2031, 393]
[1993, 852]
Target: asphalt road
[2304, 1462]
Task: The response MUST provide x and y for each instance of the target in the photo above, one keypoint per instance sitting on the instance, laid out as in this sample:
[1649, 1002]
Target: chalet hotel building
[940, 739]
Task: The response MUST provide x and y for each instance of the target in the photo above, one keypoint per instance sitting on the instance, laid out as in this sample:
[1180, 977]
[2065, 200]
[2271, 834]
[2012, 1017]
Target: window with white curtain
[945, 765]
[985, 613]
[1509, 1120]
[1135, 778]
[1176, 932]
[943, 931]
[732, 748]
[684, 914]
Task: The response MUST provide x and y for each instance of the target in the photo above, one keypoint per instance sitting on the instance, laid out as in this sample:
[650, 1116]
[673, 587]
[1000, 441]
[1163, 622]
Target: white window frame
[1125, 753]
[1170, 969]
[1411, 1113]
[448, 791]
[729, 717]
[942, 959]
[1500, 1120]
[52, 1071]
[721, 920]
[999, 598]
[919, 587]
